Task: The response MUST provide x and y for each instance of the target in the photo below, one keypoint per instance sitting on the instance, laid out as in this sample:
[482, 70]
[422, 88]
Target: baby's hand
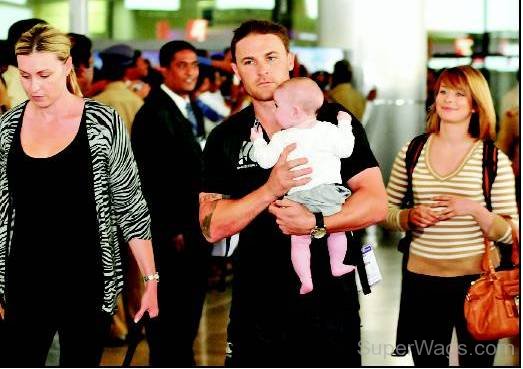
[342, 115]
[256, 132]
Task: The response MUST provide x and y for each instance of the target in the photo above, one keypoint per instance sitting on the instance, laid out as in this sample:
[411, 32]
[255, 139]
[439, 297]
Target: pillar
[78, 19]
[386, 43]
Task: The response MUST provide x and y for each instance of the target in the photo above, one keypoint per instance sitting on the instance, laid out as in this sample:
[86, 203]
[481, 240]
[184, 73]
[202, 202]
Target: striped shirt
[459, 237]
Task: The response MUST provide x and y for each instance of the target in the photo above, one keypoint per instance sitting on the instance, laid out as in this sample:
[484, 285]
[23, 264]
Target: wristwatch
[151, 277]
[319, 230]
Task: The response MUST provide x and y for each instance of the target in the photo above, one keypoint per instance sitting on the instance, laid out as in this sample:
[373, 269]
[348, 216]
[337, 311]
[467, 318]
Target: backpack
[490, 164]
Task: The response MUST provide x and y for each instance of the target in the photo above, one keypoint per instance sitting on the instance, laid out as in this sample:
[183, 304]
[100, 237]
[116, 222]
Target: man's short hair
[261, 27]
[168, 51]
[342, 73]
[17, 28]
[81, 50]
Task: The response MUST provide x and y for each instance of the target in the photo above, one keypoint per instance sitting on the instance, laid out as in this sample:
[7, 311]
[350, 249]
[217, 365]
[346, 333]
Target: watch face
[319, 232]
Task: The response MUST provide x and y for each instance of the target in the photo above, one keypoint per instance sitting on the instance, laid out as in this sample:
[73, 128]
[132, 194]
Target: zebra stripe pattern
[117, 191]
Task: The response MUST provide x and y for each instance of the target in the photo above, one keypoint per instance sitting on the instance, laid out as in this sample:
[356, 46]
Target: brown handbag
[491, 309]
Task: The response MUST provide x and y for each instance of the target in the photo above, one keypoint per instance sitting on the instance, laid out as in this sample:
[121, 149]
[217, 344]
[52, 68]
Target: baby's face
[283, 109]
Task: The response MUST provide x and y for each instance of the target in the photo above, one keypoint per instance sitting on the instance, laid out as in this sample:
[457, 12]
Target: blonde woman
[68, 186]
[449, 218]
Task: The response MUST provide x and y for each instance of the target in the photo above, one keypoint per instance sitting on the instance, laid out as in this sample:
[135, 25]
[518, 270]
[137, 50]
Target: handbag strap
[486, 262]
[489, 171]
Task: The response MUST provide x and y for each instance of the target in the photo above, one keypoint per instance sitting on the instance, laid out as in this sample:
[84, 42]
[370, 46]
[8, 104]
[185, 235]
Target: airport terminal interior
[395, 49]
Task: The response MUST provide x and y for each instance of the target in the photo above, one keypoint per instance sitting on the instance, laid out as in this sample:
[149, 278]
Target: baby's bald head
[302, 92]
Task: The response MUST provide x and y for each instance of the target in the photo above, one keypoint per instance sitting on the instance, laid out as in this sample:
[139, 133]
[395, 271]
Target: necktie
[192, 118]
[209, 112]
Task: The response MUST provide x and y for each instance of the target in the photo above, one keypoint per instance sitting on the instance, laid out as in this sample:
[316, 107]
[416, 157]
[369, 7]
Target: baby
[323, 144]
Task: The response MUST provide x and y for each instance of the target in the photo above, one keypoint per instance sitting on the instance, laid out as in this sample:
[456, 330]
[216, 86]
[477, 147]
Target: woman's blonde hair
[45, 38]
[483, 121]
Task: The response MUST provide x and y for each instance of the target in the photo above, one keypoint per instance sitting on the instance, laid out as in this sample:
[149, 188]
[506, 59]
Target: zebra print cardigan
[118, 196]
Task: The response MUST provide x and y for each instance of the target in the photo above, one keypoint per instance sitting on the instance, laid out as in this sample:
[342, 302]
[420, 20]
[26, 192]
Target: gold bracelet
[151, 277]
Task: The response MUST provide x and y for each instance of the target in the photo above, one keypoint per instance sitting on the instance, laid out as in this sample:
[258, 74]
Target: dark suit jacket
[169, 160]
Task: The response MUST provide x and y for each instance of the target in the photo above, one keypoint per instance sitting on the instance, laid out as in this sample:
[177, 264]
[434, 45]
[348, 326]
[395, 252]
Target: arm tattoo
[210, 197]
[209, 202]
[206, 223]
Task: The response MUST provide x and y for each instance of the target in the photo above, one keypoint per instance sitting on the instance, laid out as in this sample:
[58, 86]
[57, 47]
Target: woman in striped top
[449, 219]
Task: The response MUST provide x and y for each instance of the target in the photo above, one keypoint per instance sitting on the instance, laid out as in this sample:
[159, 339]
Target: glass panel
[242, 4]
[152, 4]
[18, 2]
[97, 17]
[55, 13]
[455, 15]
[502, 15]
[11, 14]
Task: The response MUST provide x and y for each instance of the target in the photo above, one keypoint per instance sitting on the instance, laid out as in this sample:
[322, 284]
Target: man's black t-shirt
[265, 287]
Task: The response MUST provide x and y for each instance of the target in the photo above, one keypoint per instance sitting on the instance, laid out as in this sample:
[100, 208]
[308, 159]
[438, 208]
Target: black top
[55, 255]
[265, 290]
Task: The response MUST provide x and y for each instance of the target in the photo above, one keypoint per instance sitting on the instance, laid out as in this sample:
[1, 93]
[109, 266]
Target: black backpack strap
[411, 159]
[490, 168]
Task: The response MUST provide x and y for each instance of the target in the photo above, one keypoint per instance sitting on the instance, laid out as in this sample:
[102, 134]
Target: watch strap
[319, 220]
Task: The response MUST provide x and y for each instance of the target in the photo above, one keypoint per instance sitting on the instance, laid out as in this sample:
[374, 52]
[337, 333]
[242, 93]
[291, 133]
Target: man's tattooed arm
[208, 202]
[221, 216]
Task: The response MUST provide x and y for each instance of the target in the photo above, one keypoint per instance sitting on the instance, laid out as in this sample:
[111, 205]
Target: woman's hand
[292, 217]
[142, 250]
[422, 216]
[455, 206]
[149, 301]
[1, 312]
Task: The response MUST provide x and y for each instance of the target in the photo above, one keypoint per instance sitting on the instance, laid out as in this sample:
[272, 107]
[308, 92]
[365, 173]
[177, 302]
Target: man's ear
[290, 61]
[235, 69]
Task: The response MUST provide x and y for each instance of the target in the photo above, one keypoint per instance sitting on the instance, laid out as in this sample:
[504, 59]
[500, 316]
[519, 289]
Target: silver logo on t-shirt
[244, 159]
